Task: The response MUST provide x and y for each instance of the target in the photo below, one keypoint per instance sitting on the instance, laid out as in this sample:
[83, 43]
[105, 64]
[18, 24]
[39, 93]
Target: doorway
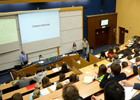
[121, 35]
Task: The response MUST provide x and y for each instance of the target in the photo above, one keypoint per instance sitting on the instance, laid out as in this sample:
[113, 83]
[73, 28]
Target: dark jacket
[136, 86]
[117, 78]
[136, 55]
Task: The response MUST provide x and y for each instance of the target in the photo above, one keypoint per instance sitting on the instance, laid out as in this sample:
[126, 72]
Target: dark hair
[46, 82]
[136, 50]
[52, 66]
[21, 75]
[124, 64]
[61, 77]
[115, 68]
[38, 70]
[102, 70]
[42, 69]
[17, 96]
[111, 50]
[7, 81]
[115, 56]
[114, 91]
[64, 68]
[70, 92]
[103, 54]
[117, 48]
[59, 86]
[129, 57]
[28, 74]
[137, 59]
[74, 45]
[73, 78]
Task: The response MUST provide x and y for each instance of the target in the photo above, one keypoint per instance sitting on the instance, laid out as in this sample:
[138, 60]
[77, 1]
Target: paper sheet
[129, 92]
[65, 81]
[97, 56]
[53, 87]
[55, 69]
[120, 56]
[78, 62]
[44, 91]
[132, 60]
[108, 64]
[88, 79]
[60, 68]
[122, 60]
[127, 70]
[87, 72]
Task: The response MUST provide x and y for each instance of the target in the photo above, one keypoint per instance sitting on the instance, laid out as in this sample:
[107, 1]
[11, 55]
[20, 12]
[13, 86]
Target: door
[121, 35]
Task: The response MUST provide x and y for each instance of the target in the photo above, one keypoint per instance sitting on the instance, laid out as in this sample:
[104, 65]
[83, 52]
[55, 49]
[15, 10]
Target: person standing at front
[85, 45]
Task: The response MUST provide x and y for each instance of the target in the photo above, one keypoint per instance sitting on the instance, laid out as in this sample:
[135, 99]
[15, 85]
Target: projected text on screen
[8, 31]
[39, 26]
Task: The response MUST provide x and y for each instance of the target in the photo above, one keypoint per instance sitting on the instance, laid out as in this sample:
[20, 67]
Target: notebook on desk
[87, 79]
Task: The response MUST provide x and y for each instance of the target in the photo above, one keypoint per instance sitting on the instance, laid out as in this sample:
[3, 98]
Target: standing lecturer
[85, 45]
[23, 58]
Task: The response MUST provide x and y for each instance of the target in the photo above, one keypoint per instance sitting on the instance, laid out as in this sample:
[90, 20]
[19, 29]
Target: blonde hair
[36, 93]
[110, 57]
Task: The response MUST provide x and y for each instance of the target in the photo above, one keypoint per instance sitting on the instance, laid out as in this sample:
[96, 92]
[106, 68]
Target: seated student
[70, 92]
[127, 52]
[138, 46]
[124, 64]
[28, 74]
[61, 77]
[39, 75]
[23, 82]
[103, 55]
[117, 50]
[129, 57]
[134, 85]
[59, 86]
[17, 96]
[115, 70]
[7, 81]
[73, 78]
[35, 94]
[45, 83]
[110, 58]
[50, 67]
[102, 70]
[64, 68]
[112, 91]
[110, 52]
[136, 51]
[74, 48]
[136, 66]
[116, 59]
[135, 42]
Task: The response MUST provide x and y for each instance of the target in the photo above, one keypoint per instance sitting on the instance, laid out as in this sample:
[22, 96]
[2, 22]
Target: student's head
[28, 74]
[74, 44]
[110, 57]
[111, 50]
[59, 86]
[102, 53]
[114, 91]
[136, 50]
[36, 94]
[64, 65]
[137, 59]
[61, 77]
[102, 70]
[115, 68]
[52, 66]
[38, 70]
[73, 78]
[46, 82]
[22, 52]
[85, 39]
[129, 57]
[124, 64]
[70, 92]
[42, 69]
[21, 75]
[115, 56]
[7, 81]
[117, 48]
[17, 96]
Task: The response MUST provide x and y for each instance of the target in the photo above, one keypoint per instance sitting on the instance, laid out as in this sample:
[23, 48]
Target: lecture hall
[69, 50]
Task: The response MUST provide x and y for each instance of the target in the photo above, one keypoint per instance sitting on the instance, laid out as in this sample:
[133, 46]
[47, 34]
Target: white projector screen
[8, 34]
[41, 29]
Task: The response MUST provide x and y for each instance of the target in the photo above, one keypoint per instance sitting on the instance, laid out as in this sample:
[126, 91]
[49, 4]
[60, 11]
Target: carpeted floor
[98, 50]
